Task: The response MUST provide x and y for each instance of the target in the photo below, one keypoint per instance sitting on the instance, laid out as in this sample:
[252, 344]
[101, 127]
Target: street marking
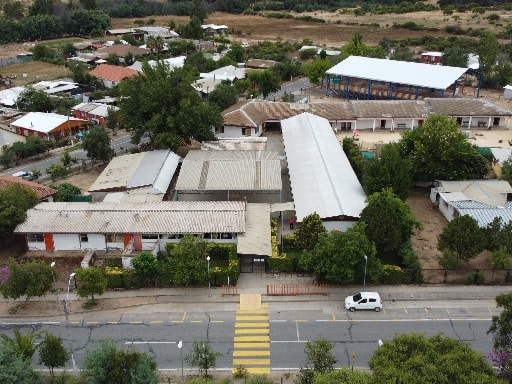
[184, 316]
[156, 322]
[405, 310]
[135, 322]
[249, 325]
[300, 321]
[246, 331]
[149, 342]
[251, 318]
[250, 353]
[260, 345]
[447, 311]
[333, 317]
[245, 362]
[241, 339]
[426, 309]
[196, 321]
[113, 322]
[91, 322]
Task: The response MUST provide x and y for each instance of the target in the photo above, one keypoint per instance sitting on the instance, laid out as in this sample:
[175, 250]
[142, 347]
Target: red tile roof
[112, 72]
[42, 191]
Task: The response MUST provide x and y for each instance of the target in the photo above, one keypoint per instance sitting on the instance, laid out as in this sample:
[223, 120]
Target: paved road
[119, 144]
[157, 329]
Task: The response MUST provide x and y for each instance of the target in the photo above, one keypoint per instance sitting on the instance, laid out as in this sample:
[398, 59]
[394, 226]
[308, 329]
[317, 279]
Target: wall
[338, 225]
[233, 132]
[66, 242]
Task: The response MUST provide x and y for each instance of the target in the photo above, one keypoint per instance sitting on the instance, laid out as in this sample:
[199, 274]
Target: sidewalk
[201, 299]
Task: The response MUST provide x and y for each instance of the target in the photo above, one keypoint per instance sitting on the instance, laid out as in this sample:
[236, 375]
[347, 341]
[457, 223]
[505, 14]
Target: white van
[364, 300]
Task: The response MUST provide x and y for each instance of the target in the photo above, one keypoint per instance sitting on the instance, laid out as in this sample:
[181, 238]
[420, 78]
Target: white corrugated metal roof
[153, 168]
[10, 96]
[398, 72]
[501, 154]
[491, 192]
[43, 122]
[256, 239]
[321, 176]
[485, 216]
[148, 217]
[230, 170]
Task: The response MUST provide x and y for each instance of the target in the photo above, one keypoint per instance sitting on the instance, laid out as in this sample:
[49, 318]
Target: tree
[488, 50]
[155, 44]
[91, 281]
[224, 95]
[319, 359]
[191, 30]
[463, 237]
[309, 232]
[236, 52]
[52, 352]
[198, 10]
[107, 364]
[455, 56]
[389, 221]
[97, 144]
[187, 261]
[56, 171]
[440, 151]
[266, 81]
[30, 279]
[24, 345]
[16, 369]
[339, 257]
[41, 7]
[36, 145]
[65, 191]
[145, 265]
[13, 10]
[15, 199]
[417, 359]
[389, 170]
[501, 329]
[163, 105]
[202, 356]
[32, 100]
[506, 170]
[113, 118]
[315, 70]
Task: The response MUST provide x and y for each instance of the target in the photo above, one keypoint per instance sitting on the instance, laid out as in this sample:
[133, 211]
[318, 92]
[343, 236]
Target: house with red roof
[112, 75]
[44, 193]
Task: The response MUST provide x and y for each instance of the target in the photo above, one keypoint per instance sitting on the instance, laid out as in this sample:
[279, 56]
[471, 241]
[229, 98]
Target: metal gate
[250, 264]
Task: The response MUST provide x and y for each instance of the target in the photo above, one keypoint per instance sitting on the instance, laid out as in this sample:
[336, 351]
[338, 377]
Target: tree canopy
[463, 237]
[163, 105]
[16, 369]
[15, 199]
[389, 170]
[417, 359]
[97, 144]
[501, 329]
[108, 364]
[338, 257]
[439, 150]
[389, 221]
[66, 191]
[30, 279]
[309, 232]
[91, 281]
[187, 261]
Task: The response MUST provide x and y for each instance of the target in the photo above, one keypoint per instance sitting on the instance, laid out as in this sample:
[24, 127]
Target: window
[219, 129]
[150, 237]
[84, 238]
[246, 131]
[36, 238]
[115, 238]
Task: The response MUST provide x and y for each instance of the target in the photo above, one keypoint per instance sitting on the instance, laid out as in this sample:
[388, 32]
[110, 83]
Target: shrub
[392, 274]
[475, 278]
[281, 263]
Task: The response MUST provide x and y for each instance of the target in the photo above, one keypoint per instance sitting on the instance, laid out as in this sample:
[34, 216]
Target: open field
[34, 71]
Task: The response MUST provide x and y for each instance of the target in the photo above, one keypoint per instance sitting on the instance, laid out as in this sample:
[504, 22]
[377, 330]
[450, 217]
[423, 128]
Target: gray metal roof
[148, 217]
[321, 177]
[230, 170]
[398, 72]
[485, 216]
[257, 238]
[153, 168]
[491, 192]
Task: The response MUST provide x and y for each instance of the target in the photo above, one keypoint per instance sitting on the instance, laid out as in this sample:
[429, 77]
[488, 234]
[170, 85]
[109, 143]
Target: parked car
[25, 175]
[364, 300]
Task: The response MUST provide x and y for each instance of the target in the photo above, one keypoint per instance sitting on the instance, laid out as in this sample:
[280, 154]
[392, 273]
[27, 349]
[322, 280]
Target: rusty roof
[252, 113]
[42, 191]
[112, 72]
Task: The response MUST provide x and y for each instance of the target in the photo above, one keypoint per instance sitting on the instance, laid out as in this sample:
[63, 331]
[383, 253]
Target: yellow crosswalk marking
[261, 345]
[241, 339]
[248, 331]
[245, 362]
[251, 325]
[252, 318]
[250, 353]
[258, 370]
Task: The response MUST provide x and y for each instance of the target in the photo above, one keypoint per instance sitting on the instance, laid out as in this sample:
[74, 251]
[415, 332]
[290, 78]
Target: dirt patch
[33, 71]
[83, 180]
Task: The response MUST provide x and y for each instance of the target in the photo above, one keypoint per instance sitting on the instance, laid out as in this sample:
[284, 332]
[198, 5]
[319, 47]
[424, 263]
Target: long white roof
[321, 176]
[398, 72]
[148, 217]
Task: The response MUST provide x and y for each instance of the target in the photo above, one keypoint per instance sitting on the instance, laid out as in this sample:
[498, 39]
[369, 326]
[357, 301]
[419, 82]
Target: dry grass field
[34, 71]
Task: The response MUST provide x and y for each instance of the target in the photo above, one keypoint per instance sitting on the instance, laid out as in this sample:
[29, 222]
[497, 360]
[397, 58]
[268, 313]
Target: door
[48, 242]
